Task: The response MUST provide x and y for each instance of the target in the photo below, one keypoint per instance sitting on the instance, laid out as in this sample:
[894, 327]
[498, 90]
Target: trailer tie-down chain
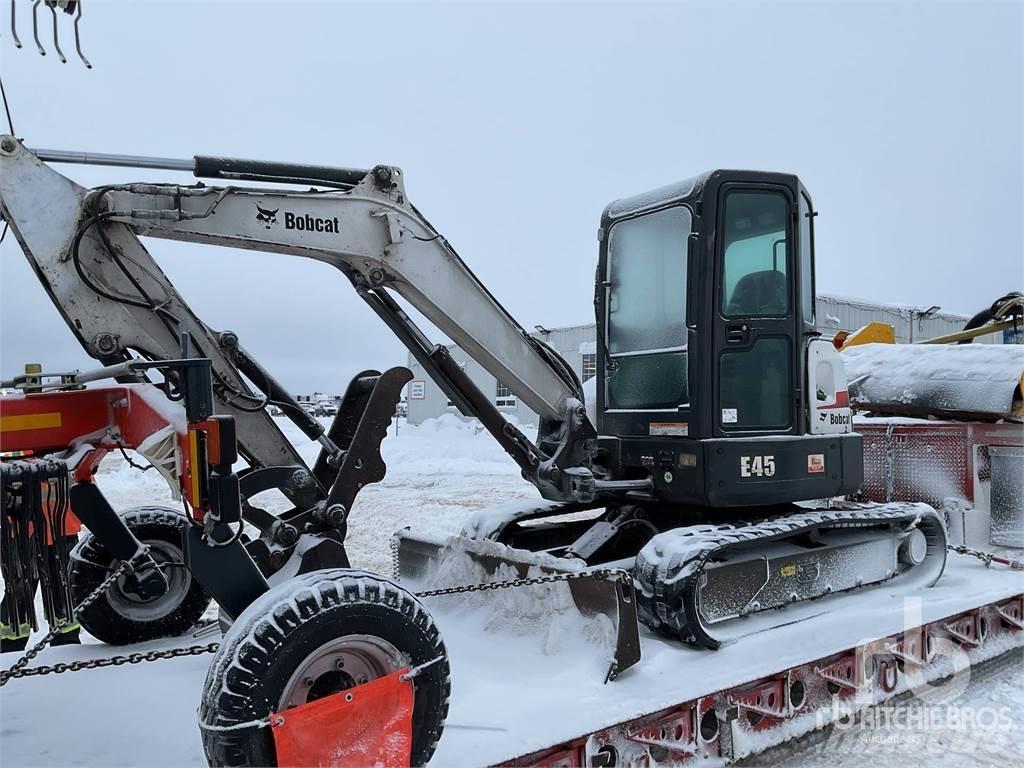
[20, 668]
[112, 661]
[986, 557]
[596, 574]
[599, 574]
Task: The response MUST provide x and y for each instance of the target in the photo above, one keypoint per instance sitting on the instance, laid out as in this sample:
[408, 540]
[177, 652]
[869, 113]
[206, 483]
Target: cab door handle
[737, 333]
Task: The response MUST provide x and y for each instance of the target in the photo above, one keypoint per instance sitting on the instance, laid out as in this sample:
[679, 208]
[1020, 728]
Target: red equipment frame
[106, 419]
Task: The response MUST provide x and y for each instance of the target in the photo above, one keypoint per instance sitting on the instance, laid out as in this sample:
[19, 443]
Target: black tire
[119, 618]
[289, 625]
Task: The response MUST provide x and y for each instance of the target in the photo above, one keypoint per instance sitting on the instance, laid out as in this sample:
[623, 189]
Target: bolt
[382, 175]
[301, 478]
[335, 514]
[278, 720]
[228, 339]
[339, 663]
[105, 343]
[8, 145]
[376, 276]
[363, 680]
[308, 682]
[286, 534]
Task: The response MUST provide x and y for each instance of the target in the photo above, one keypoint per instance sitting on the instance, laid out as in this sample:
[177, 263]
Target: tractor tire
[120, 617]
[309, 627]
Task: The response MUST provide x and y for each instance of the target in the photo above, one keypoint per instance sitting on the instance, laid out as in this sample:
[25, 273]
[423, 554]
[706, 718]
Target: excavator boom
[116, 300]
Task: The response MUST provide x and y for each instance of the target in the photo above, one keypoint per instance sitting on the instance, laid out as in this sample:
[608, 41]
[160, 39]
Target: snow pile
[544, 611]
[448, 445]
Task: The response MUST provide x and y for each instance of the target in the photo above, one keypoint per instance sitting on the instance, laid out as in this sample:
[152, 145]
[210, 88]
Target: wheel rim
[341, 664]
[179, 581]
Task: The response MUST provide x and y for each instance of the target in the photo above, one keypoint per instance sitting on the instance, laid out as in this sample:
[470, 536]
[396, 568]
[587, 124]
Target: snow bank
[447, 444]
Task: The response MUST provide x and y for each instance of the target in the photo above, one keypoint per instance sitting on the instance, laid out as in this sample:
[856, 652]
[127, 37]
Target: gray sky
[516, 124]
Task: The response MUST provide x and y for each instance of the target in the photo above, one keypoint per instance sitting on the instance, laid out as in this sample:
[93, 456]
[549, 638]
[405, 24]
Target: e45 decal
[757, 466]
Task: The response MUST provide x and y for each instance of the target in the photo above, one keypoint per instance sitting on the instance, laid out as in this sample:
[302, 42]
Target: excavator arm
[84, 246]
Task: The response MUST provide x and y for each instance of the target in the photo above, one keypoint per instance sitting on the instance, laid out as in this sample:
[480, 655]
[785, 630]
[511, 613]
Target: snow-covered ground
[439, 473]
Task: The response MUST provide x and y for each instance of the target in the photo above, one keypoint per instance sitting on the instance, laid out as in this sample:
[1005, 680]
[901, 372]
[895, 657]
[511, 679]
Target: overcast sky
[516, 124]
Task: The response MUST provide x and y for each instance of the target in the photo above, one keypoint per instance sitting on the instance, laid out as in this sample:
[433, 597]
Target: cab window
[754, 266]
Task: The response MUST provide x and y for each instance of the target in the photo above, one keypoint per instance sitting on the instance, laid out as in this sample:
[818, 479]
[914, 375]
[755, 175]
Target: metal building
[578, 345]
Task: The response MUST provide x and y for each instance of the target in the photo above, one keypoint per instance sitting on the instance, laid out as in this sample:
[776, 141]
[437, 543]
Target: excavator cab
[705, 313]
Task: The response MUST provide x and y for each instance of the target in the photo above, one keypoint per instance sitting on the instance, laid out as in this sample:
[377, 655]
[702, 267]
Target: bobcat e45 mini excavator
[704, 464]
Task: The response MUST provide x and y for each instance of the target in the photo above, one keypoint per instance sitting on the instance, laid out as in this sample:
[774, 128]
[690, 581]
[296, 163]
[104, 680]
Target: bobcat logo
[267, 217]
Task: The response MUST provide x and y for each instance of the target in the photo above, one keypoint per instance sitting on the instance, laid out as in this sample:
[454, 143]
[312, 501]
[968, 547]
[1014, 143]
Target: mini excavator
[705, 464]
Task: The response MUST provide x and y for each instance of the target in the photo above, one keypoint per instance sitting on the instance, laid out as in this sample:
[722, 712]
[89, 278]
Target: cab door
[755, 336]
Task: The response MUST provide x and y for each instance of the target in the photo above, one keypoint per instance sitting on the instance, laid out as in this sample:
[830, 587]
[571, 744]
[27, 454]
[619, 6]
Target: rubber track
[670, 606]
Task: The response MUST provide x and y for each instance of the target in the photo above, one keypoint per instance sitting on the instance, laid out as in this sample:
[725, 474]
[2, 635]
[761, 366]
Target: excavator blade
[433, 564]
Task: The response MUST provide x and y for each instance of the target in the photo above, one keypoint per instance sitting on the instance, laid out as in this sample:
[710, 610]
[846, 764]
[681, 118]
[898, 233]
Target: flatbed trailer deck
[502, 713]
[538, 698]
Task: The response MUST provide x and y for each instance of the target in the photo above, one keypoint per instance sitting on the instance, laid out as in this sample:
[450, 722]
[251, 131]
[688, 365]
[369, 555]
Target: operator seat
[759, 293]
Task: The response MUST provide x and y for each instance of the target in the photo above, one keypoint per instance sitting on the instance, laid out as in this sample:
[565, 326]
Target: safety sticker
[815, 463]
[729, 416]
[669, 428]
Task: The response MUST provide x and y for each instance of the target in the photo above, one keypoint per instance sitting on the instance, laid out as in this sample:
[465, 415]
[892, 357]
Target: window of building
[503, 396]
[589, 367]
